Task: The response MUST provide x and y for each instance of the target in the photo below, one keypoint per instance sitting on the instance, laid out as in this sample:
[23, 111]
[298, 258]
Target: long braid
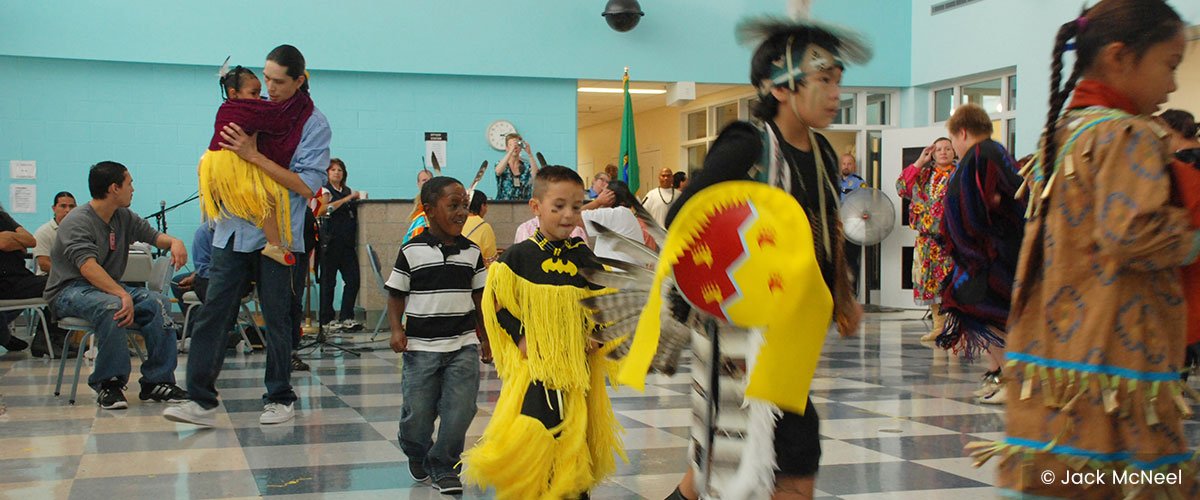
[1058, 94]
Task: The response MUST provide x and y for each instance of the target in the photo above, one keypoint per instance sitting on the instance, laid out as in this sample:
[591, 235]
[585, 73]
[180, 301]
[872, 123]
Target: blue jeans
[82, 300]
[433, 385]
[228, 275]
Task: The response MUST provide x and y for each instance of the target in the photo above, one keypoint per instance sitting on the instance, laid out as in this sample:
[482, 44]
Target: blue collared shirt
[851, 183]
[310, 162]
[202, 243]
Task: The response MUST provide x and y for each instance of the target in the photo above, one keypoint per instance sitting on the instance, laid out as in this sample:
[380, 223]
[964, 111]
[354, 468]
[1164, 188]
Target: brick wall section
[382, 224]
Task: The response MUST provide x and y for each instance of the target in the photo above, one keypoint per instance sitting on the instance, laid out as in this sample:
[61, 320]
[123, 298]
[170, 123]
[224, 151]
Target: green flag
[629, 162]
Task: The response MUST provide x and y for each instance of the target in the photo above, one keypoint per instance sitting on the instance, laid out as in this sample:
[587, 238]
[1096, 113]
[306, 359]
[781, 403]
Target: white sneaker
[332, 326]
[276, 413]
[190, 412]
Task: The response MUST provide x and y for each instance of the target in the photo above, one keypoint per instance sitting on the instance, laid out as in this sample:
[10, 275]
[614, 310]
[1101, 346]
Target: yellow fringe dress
[230, 185]
[534, 290]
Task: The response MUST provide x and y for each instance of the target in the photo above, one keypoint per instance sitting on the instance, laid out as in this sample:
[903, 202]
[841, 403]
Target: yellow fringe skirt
[524, 460]
[230, 185]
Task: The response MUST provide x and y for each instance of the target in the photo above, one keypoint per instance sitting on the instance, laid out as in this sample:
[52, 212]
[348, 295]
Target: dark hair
[1181, 122]
[771, 50]
[61, 194]
[622, 196]
[340, 163]
[679, 178]
[431, 192]
[551, 174]
[104, 174]
[1139, 24]
[972, 118]
[234, 80]
[478, 200]
[290, 58]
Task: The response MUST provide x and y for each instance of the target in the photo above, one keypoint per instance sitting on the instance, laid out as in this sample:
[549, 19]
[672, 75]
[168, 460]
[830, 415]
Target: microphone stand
[160, 217]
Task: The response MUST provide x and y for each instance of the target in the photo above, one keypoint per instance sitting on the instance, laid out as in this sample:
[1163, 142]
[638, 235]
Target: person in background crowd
[599, 184]
[478, 230]
[64, 202]
[514, 175]
[924, 184]
[341, 251]
[658, 201]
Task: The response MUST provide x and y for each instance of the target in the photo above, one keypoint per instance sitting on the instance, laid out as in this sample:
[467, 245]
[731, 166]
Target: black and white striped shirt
[438, 281]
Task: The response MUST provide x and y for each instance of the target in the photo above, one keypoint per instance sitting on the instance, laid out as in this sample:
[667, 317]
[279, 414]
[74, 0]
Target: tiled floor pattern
[895, 416]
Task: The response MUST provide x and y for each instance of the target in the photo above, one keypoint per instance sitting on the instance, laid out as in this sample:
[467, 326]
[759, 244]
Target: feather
[437, 166]
[541, 159]
[613, 307]
[634, 249]
[616, 279]
[474, 183]
[851, 46]
[652, 226]
[224, 70]
[800, 9]
[642, 273]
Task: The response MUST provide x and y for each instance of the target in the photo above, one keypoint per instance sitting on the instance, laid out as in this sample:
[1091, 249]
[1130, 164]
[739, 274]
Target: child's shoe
[279, 254]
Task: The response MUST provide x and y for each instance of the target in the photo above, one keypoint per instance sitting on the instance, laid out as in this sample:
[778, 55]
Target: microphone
[162, 205]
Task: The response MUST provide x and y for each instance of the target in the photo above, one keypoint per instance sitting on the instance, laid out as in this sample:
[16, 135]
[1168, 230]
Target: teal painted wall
[157, 120]
[677, 40]
[89, 80]
[993, 35]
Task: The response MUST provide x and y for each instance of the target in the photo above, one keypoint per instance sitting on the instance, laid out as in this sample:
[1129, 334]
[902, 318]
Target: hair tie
[1081, 23]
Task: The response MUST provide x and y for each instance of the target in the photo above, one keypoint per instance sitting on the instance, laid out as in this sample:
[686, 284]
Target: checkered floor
[895, 416]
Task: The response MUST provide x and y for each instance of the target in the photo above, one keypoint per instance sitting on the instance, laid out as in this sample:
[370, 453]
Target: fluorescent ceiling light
[606, 90]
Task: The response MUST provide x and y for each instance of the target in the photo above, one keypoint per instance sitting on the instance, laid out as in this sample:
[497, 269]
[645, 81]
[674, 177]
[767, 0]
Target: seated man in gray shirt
[89, 256]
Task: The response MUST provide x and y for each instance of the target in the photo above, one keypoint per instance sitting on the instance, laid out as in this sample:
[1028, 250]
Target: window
[1011, 142]
[725, 114]
[702, 126]
[985, 94]
[1012, 93]
[847, 110]
[943, 104]
[877, 109]
[695, 156]
[697, 125]
[996, 94]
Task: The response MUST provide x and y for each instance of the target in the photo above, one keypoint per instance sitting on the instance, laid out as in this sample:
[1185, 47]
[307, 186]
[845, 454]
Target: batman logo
[559, 266]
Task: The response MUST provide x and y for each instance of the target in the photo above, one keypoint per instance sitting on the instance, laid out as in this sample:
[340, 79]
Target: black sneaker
[15, 344]
[111, 396]
[164, 392]
[416, 469]
[298, 365]
[449, 485]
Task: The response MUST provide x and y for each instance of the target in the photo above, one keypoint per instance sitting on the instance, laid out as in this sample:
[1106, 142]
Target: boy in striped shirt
[437, 282]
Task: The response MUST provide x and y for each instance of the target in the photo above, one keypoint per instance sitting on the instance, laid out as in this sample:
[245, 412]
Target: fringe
[603, 430]
[967, 336]
[755, 476]
[231, 186]
[517, 455]
[556, 328]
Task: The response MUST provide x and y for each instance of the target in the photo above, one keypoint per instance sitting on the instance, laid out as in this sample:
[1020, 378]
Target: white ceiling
[594, 108]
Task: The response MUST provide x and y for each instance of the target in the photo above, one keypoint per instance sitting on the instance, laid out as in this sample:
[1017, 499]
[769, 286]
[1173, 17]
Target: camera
[622, 15]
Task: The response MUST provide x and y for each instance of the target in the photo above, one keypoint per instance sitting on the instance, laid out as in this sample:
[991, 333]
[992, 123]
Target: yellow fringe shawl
[517, 455]
[230, 185]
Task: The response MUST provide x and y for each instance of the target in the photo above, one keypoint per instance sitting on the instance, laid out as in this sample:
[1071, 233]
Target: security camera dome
[623, 15]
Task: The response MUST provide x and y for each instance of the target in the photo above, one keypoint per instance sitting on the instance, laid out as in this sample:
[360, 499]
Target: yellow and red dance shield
[742, 252]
